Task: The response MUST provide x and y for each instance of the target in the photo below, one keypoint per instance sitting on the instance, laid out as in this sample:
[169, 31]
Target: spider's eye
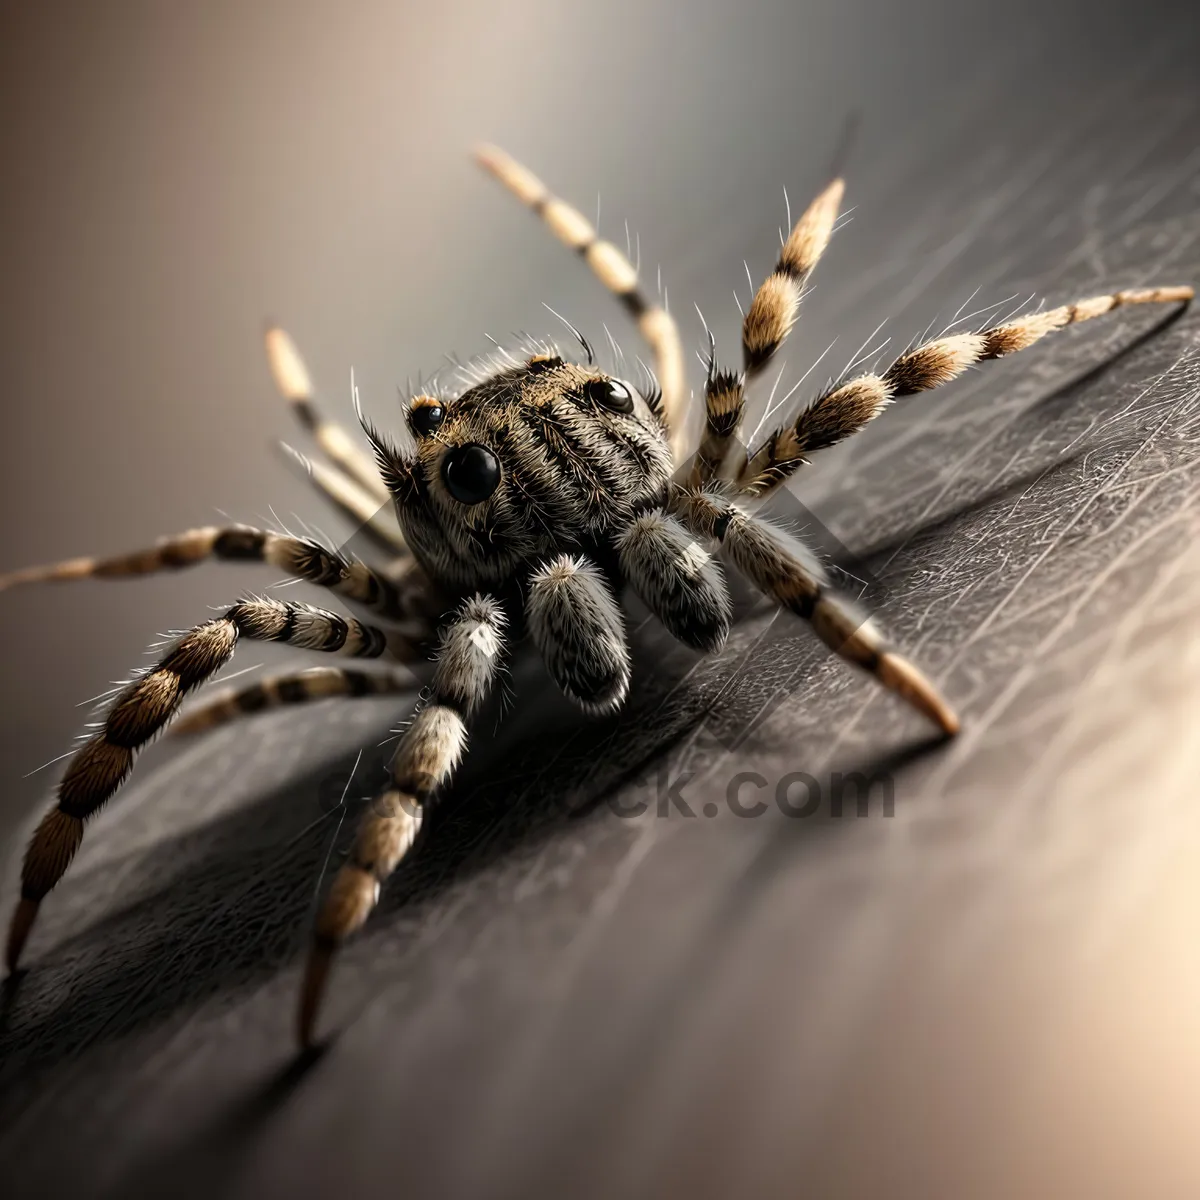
[609, 393]
[471, 473]
[426, 418]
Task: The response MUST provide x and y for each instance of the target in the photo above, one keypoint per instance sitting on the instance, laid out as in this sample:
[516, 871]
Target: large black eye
[610, 393]
[471, 472]
[426, 418]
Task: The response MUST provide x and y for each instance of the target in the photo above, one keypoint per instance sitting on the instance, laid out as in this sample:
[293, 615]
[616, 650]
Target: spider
[524, 506]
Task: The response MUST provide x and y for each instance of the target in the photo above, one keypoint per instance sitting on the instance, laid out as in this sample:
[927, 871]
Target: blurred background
[176, 174]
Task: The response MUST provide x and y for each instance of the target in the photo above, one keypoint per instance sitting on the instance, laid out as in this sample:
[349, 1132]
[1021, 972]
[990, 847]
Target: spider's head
[540, 457]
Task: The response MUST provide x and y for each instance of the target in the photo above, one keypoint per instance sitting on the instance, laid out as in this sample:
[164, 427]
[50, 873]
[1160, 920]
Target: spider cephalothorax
[524, 506]
[536, 458]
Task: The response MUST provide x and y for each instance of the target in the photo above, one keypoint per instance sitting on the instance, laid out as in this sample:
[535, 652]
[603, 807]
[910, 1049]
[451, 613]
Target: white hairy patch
[955, 354]
[468, 658]
[694, 560]
[485, 640]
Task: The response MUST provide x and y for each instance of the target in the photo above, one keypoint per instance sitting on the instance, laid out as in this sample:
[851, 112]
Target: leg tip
[948, 721]
[835, 191]
[490, 157]
[18, 931]
[287, 367]
[316, 973]
[905, 680]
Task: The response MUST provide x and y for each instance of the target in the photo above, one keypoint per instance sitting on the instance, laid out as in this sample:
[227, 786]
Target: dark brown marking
[253, 699]
[243, 544]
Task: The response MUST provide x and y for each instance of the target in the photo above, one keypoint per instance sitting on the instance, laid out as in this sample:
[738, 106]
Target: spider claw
[905, 680]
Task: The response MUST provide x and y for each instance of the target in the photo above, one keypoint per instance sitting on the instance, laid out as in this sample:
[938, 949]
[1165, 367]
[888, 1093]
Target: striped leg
[787, 571]
[143, 707]
[299, 557]
[614, 270]
[301, 687]
[767, 323]
[679, 580]
[377, 522]
[845, 409]
[576, 623]
[469, 658]
[295, 386]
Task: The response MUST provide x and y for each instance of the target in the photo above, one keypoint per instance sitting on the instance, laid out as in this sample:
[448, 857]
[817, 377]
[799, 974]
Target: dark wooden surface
[991, 992]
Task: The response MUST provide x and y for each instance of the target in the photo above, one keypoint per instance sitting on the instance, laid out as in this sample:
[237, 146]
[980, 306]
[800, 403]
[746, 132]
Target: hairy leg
[469, 659]
[767, 322]
[377, 521]
[576, 623]
[679, 580]
[300, 687]
[300, 557]
[789, 573]
[295, 386]
[143, 707]
[843, 410]
[614, 270]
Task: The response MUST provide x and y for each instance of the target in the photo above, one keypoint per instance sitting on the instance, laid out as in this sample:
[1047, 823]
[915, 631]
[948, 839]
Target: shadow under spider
[234, 906]
[1066, 391]
[203, 1165]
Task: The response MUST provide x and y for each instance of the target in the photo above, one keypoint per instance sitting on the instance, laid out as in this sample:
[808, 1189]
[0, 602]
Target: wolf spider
[524, 506]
